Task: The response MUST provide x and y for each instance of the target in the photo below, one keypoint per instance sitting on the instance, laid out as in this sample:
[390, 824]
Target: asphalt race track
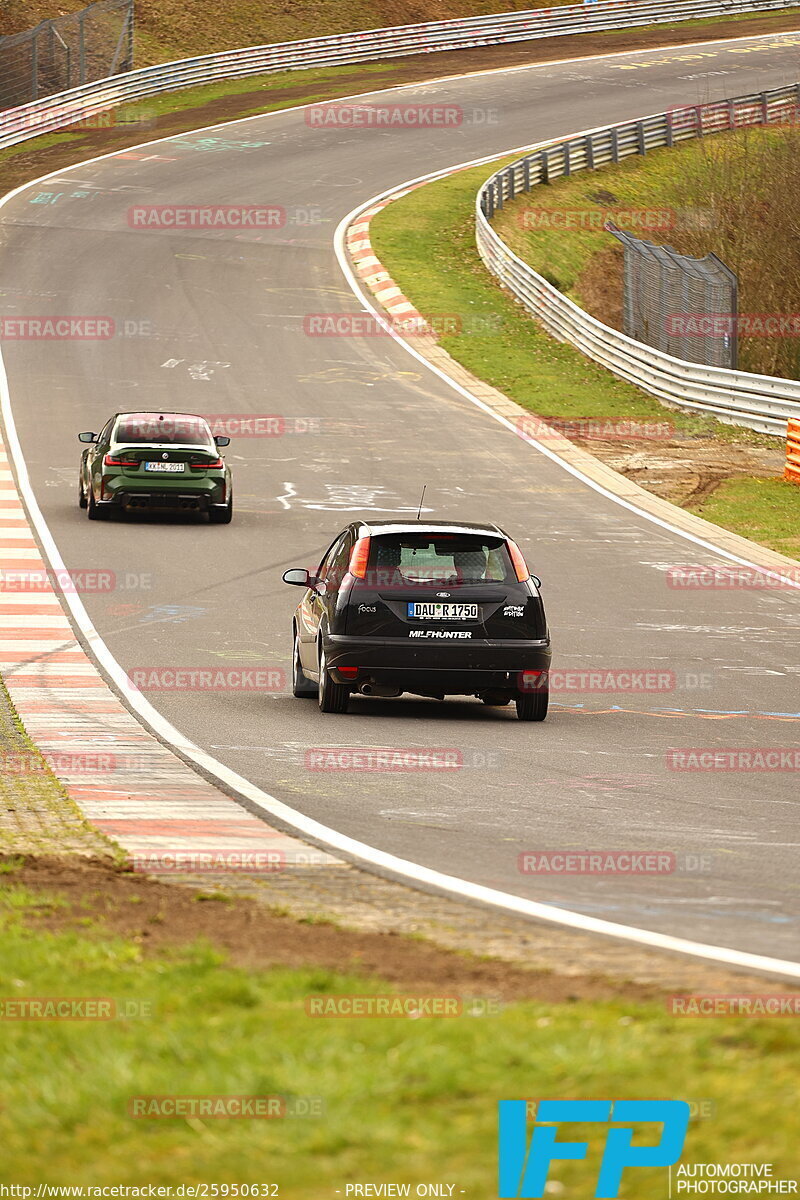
[214, 324]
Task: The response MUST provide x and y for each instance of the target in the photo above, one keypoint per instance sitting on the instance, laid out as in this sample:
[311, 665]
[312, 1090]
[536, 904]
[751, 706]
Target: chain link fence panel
[66, 52]
[680, 305]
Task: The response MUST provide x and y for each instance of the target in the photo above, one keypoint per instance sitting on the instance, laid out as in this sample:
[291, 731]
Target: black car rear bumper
[436, 666]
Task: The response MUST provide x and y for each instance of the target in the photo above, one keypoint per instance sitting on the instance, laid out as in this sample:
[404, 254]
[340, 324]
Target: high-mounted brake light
[110, 461]
[359, 557]
[518, 561]
[214, 464]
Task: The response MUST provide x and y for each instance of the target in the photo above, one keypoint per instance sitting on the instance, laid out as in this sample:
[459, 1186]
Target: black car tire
[82, 501]
[532, 706]
[302, 687]
[333, 697]
[221, 516]
[94, 511]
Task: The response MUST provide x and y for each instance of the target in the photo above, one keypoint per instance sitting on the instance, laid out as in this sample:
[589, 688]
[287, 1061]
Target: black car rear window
[140, 429]
[411, 558]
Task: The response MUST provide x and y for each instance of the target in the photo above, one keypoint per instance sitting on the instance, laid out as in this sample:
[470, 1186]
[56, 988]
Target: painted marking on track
[349, 497]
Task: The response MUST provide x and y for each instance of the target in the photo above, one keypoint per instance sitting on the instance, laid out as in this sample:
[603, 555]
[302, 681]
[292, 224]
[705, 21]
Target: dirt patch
[600, 286]
[686, 471]
[32, 163]
[158, 915]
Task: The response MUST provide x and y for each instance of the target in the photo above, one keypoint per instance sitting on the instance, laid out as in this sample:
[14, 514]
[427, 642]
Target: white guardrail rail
[761, 402]
[76, 104]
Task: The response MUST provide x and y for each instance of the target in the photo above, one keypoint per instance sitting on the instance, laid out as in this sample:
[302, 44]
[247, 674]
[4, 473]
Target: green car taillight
[110, 461]
[216, 464]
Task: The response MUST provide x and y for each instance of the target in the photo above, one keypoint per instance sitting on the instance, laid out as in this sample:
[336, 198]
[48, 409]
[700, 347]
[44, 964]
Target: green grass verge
[426, 241]
[765, 510]
[403, 1100]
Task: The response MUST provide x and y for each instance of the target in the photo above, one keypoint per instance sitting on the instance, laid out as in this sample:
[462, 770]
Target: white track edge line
[415, 873]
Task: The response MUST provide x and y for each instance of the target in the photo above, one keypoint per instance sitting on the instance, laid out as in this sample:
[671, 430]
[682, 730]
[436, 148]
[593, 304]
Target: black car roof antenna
[422, 497]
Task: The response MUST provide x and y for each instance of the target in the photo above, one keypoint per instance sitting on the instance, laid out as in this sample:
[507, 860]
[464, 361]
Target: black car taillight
[359, 557]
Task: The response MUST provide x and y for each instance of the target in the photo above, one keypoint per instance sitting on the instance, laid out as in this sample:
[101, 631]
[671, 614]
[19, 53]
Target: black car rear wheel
[82, 501]
[532, 706]
[221, 516]
[95, 511]
[333, 697]
[301, 686]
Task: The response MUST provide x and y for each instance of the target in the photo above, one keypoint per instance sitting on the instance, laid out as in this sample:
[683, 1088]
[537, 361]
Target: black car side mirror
[87, 437]
[222, 441]
[537, 581]
[298, 576]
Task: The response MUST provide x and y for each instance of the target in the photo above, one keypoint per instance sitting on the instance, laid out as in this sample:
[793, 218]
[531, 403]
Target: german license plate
[425, 610]
[167, 467]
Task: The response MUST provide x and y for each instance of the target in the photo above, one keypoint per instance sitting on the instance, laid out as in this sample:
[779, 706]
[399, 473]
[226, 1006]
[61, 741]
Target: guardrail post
[640, 137]
[669, 129]
[498, 193]
[614, 144]
[567, 160]
[545, 161]
[764, 109]
[510, 175]
[526, 174]
[589, 153]
[792, 472]
[81, 49]
[35, 65]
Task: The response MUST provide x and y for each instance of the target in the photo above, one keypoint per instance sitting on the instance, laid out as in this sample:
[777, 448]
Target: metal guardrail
[761, 402]
[76, 104]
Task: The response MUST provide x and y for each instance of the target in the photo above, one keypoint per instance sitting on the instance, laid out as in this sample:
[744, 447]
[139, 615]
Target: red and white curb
[128, 785]
[373, 274]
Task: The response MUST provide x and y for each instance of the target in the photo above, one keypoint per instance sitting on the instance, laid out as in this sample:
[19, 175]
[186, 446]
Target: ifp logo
[524, 1169]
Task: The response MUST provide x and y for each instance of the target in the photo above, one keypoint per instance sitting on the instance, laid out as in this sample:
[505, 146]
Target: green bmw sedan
[168, 462]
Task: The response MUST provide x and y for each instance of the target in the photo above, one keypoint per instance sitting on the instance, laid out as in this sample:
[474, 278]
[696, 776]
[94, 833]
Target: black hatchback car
[430, 608]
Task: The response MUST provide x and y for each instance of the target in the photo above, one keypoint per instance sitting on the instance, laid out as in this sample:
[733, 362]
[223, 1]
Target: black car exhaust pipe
[377, 689]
